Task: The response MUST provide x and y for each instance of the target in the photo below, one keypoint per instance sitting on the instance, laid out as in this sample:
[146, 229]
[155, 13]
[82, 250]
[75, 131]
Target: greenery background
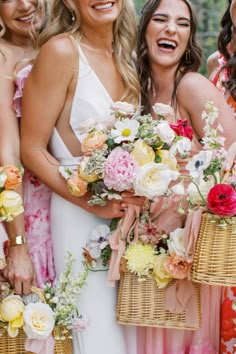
[209, 13]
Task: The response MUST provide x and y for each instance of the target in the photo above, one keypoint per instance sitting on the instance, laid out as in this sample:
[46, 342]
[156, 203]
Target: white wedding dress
[72, 225]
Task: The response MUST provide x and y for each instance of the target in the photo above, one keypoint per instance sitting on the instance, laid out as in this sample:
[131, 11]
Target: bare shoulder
[194, 90]
[192, 83]
[60, 46]
[6, 52]
[212, 62]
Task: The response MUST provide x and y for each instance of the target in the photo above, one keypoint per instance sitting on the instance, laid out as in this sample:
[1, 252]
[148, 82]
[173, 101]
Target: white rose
[39, 320]
[176, 242]
[123, 108]
[182, 145]
[163, 109]
[153, 179]
[194, 194]
[87, 125]
[165, 132]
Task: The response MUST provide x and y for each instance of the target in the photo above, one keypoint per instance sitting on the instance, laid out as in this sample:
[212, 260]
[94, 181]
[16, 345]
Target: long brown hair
[144, 68]
[224, 40]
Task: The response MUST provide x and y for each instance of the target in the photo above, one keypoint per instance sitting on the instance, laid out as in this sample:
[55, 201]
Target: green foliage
[209, 13]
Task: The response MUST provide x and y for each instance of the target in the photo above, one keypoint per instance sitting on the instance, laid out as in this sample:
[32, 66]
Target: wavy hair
[224, 39]
[186, 64]
[124, 39]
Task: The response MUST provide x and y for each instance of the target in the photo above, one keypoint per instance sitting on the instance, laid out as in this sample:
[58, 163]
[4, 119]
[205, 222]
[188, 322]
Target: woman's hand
[117, 208]
[19, 270]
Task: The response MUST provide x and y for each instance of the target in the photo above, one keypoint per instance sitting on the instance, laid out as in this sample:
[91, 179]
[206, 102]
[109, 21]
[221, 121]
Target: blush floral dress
[228, 315]
[37, 199]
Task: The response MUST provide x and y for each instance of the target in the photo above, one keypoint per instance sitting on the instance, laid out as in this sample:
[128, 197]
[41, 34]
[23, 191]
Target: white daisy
[125, 129]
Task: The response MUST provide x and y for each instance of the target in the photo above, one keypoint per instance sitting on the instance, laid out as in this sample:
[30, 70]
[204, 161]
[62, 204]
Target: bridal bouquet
[41, 312]
[134, 153]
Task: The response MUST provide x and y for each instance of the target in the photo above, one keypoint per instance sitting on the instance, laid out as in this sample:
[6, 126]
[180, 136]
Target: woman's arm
[19, 270]
[193, 93]
[45, 95]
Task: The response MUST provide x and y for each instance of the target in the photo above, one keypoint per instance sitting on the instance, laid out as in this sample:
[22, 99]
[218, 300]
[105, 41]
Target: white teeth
[26, 18]
[102, 7]
[167, 43]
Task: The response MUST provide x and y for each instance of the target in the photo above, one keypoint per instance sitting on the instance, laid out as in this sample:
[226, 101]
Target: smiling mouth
[167, 44]
[103, 6]
[27, 18]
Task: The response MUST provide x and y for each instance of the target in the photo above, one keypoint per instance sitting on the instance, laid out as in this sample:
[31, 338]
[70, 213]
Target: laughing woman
[168, 58]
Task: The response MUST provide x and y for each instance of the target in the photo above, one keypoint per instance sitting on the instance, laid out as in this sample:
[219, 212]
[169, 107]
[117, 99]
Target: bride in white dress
[76, 77]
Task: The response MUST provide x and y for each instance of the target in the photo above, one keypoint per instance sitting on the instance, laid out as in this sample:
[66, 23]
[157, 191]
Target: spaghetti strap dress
[71, 226]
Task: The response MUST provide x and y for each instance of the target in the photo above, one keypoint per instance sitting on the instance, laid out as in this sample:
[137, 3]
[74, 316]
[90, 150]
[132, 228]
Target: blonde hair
[124, 39]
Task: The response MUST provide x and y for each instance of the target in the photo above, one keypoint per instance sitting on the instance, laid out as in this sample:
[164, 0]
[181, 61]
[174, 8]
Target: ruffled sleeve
[20, 83]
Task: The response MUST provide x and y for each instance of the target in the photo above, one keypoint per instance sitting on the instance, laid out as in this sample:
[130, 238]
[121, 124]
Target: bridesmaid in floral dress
[20, 21]
[223, 75]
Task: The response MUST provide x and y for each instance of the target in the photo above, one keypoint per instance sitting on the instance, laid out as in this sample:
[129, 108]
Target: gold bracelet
[18, 240]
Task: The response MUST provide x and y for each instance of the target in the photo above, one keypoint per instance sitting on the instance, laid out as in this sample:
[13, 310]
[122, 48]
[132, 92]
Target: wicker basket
[141, 303]
[215, 253]
[9, 345]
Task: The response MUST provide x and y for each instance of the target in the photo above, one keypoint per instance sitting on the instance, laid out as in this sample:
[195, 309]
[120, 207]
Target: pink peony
[177, 267]
[120, 170]
[221, 200]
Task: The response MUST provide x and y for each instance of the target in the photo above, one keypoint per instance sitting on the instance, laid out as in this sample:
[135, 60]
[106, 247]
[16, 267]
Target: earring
[188, 56]
[72, 16]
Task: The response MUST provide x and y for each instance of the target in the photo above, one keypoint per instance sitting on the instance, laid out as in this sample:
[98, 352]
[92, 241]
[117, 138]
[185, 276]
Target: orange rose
[93, 140]
[76, 185]
[177, 267]
[13, 176]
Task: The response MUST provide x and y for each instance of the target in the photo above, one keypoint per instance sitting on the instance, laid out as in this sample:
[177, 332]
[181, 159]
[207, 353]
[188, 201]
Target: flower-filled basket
[16, 345]
[215, 251]
[43, 321]
[143, 303]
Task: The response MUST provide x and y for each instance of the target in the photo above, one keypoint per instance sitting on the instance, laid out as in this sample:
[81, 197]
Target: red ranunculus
[182, 128]
[221, 200]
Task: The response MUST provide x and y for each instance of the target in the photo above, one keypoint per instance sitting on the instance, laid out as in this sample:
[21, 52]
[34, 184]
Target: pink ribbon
[45, 346]
[181, 297]
[119, 238]
[192, 227]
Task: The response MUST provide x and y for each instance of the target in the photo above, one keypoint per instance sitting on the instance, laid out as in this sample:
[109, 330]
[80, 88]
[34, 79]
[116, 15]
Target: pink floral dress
[37, 199]
[228, 327]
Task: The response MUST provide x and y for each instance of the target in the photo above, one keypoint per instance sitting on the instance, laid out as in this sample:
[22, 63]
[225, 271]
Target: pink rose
[76, 185]
[177, 267]
[120, 170]
[221, 200]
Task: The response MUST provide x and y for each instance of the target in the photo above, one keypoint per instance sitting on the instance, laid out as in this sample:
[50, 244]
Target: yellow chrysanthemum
[140, 258]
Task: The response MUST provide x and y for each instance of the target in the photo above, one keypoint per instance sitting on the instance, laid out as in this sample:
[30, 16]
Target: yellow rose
[142, 153]
[77, 186]
[81, 172]
[10, 205]
[11, 311]
[39, 320]
[167, 158]
[93, 140]
[161, 276]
